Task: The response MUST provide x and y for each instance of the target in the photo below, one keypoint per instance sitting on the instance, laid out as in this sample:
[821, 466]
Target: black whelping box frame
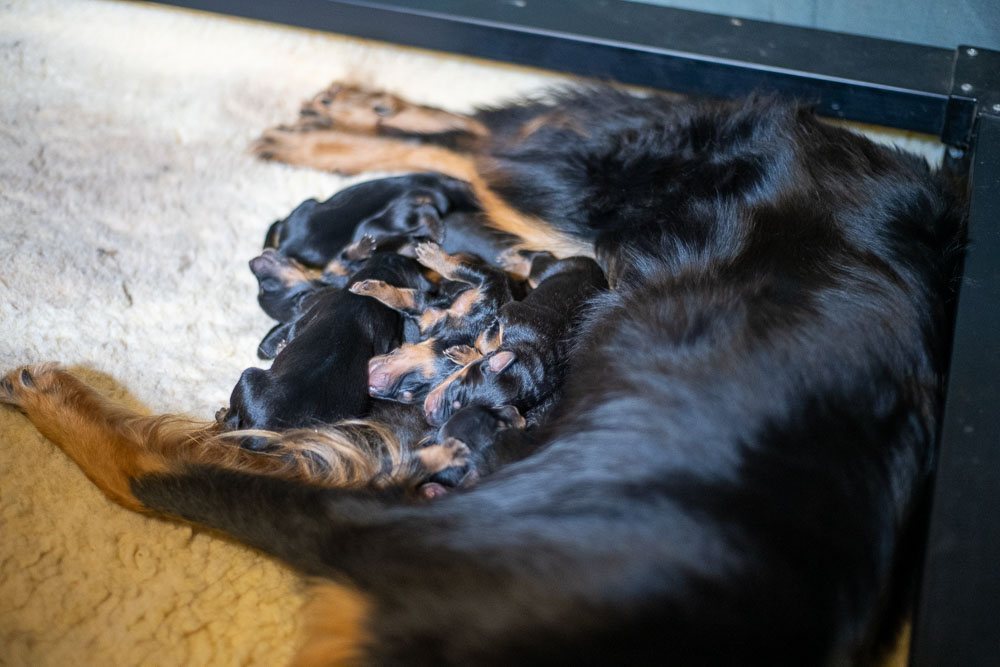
[954, 94]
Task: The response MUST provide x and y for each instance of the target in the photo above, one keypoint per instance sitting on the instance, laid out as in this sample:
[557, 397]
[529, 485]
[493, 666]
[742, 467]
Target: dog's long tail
[115, 447]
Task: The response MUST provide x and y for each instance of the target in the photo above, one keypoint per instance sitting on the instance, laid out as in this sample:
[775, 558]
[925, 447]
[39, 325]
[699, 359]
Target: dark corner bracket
[975, 90]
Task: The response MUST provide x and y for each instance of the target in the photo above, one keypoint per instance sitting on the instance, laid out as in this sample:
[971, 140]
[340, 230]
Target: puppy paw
[372, 288]
[436, 259]
[350, 108]
[21, 385]
[451, 453]
[428, 253]
[281, 144]
[361, 249]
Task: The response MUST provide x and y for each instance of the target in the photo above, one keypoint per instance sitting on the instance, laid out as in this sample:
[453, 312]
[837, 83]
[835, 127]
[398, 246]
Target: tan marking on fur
[486, 343]
[335, 267]
[408, 357]
[113, 445]
[429, 318]
[397, 298]
[435, 458]
[515, 263]
[555, 119]
[464, 303]
[337, 620]
[428, 120]
[293, 273]
[331, 150]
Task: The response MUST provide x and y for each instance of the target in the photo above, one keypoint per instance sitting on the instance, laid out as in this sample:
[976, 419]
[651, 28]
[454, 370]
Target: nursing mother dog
[745, 429]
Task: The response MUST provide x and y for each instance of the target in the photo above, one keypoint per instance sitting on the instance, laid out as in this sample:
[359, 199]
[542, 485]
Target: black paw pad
[26, 379]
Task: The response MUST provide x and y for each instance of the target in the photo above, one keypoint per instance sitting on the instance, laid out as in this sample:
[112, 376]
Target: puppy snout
[379, 377]
[265, 263]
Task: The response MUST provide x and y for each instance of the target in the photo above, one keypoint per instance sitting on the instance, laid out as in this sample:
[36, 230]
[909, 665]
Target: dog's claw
[18, 384]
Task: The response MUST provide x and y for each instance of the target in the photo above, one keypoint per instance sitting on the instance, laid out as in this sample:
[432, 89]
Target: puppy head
[407, 373]
[490, 382]
[282, 283]
[416, 214]
[478, 425]
[276, 232]
[248, 407]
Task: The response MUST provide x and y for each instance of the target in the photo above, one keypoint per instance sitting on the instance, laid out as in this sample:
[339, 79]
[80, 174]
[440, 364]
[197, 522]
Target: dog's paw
[428, 252]
[19, 385]
[361, 249]
[278, 143]
[451, 453]
[371, 287]
[463, 355]
[434, 257]
[350, 107]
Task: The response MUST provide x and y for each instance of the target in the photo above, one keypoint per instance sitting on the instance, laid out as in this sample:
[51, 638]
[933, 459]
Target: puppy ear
[500, 361]
[511, 416]
[274, 341]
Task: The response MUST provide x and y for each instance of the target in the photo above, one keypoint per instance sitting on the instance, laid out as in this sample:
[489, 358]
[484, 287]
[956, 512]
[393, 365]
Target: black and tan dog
[321, 372]
[746, 427]
[449, 322]
[526, 350]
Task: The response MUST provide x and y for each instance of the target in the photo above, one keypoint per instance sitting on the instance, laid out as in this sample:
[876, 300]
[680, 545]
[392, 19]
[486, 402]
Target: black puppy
[467, 302]
[527, 347]
[284, 286]
[412, 205]
[493, 437]
[321, 375]
[449, 322]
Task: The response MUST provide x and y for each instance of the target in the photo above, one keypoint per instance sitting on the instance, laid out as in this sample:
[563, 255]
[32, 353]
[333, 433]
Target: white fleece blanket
[129, 207]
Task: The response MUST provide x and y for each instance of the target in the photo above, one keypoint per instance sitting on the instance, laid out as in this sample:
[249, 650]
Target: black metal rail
[952, 94]
[958, 620]
[855, 78]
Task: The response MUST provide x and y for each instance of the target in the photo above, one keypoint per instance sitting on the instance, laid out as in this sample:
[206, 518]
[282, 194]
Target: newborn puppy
[527, 349]
[407, 373]
[464, 306]
[493, 437]
[284, 285]
[321, 375]
[314, 233]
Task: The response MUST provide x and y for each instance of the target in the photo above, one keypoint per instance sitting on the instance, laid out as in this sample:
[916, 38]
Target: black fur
[494, 438]
[321, 373]
[537, 337]
[746, 427]
[315, 233]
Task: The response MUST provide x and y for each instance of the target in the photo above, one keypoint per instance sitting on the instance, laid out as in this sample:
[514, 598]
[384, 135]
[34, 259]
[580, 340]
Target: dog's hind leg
[346, 153]
[357, 109]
